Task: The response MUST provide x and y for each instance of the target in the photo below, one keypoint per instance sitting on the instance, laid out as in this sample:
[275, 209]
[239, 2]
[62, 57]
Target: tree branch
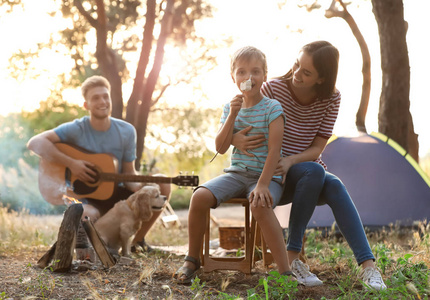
[333, 11]
[93, 22]
[163, 89]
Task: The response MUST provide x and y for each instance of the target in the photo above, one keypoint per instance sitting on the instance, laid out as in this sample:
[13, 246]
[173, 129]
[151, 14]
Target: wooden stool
[244, 263]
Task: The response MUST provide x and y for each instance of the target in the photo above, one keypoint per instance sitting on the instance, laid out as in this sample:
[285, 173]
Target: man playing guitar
[97, 133]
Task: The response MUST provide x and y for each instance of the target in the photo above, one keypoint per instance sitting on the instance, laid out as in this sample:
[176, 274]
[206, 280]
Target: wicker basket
[231, 237]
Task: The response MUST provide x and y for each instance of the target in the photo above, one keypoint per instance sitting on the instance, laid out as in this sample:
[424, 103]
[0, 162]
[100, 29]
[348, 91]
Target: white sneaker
[304, 276]
[373, 279]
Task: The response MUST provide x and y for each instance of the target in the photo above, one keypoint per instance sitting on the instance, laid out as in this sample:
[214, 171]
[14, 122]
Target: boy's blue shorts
[239, 184]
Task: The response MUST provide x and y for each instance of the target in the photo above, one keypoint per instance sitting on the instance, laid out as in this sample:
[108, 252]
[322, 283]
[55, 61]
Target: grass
[403, 256]
[20, 230]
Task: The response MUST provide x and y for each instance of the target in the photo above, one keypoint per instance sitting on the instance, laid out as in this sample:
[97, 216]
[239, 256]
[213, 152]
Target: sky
[277, 30]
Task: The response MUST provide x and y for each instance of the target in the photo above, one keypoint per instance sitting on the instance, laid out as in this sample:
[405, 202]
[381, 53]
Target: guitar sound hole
[84, 188]
[81, 188]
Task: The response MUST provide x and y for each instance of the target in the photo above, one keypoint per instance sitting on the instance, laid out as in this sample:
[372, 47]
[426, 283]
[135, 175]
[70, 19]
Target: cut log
[65, 245]
[46, 259]
[98, 244]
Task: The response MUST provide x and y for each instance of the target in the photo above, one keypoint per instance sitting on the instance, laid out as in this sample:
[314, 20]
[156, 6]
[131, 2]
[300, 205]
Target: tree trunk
[413, 140]
[149, 86]
[360, 120]
[105, 55]
[139, 80]
[107, 61]
[141, 98]
[394, 117]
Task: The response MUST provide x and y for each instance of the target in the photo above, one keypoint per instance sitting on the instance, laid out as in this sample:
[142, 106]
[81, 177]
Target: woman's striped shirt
[303, 122]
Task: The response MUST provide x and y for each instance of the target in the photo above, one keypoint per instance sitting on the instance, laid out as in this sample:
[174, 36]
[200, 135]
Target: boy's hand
[236, 104]
[261, 196]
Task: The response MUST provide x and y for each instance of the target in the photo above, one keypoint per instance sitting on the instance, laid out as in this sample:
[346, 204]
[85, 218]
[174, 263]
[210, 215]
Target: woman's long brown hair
[326, 61]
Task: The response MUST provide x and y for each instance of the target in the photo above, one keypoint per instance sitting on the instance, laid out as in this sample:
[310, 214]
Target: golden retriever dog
[117, 227]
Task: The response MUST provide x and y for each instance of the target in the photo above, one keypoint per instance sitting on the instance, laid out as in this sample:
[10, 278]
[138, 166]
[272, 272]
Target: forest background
[50, 47]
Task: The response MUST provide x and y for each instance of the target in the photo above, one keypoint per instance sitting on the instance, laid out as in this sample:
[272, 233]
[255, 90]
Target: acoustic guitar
[56, 180]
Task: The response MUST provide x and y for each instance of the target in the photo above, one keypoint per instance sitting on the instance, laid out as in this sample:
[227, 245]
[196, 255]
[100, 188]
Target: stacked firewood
[61, 252]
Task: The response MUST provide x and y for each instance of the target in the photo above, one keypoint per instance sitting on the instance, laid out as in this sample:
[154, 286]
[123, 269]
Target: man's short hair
[92, 82]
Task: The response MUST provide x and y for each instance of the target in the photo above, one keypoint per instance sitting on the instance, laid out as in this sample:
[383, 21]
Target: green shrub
[180, 198]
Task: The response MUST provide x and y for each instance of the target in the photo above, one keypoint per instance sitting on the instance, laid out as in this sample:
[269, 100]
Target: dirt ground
[144, 277]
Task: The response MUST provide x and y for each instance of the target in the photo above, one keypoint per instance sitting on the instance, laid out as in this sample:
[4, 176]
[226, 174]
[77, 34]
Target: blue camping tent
[385, 183]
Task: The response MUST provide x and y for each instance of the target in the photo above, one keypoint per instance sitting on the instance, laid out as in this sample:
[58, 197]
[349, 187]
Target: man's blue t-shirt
[119, 139]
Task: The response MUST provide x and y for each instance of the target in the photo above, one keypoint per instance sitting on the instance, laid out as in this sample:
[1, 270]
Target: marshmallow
[246, 86]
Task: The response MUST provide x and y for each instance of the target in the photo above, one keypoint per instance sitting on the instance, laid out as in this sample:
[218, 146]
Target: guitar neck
[134, 178]
[182, 180]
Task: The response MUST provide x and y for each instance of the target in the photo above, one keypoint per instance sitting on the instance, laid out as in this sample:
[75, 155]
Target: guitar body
[55, 180]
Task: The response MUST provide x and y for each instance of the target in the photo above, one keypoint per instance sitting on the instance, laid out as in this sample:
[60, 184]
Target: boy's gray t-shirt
[119, 139]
